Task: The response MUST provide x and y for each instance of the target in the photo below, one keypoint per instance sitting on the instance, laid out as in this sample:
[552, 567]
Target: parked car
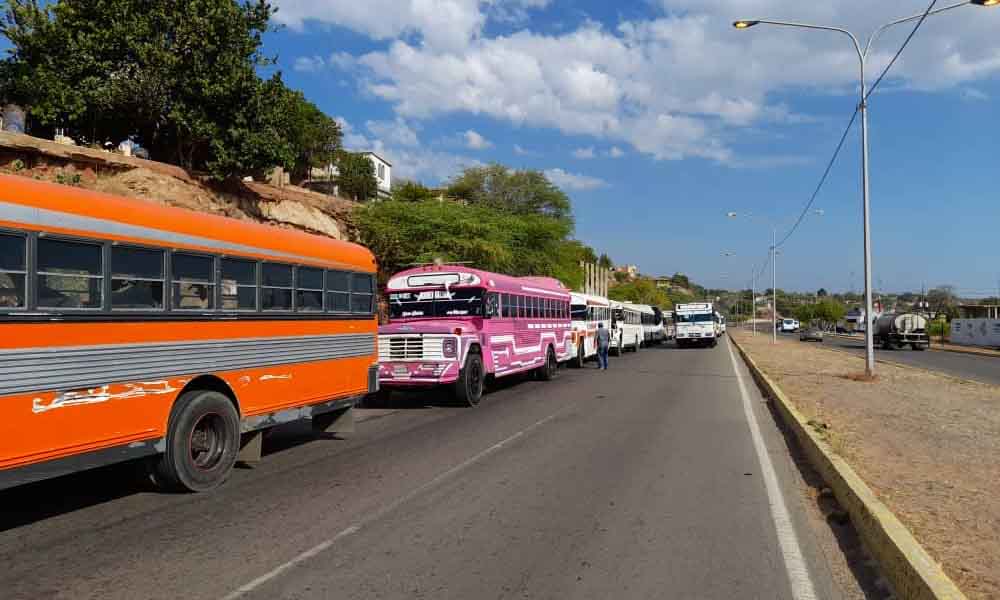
[788, 326]
[811, 334]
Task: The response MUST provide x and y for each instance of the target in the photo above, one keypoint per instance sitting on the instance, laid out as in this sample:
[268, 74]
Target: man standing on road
[603, 345]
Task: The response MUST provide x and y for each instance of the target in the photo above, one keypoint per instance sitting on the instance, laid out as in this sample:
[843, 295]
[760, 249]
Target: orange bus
[130, 330]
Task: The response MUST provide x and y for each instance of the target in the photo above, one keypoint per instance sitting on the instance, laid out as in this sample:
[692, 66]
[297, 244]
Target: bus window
[70, 274]
[309, 289]
[276, 287]
[239, 284]
[362, 293]
[136, 278]
[13, 271]
[338, 291]
[506, 307]
[194, 281]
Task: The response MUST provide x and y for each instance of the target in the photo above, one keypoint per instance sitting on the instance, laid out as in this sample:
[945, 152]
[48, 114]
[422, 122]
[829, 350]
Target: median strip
[909, 568]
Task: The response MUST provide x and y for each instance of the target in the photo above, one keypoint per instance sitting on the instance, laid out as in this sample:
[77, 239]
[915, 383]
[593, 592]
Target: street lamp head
[732, 215]
[748, 24]
[985, 2]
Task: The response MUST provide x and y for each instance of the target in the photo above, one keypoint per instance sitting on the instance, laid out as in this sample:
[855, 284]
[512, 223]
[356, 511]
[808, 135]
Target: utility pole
[774, 285]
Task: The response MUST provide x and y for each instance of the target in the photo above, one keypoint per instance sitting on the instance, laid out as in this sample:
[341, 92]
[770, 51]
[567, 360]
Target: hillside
[286, 206]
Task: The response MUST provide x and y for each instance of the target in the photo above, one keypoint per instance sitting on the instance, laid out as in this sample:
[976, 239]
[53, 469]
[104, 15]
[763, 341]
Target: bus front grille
[392, 348]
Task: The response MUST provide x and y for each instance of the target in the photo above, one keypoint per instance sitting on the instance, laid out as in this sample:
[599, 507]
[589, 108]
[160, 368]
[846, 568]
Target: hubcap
[207, 441]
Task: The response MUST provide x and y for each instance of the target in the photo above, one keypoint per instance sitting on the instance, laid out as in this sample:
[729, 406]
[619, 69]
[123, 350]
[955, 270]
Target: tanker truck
[896, 330]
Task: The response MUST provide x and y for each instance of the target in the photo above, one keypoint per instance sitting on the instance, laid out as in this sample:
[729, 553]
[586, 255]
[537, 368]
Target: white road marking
[795, 564]
[385, 510]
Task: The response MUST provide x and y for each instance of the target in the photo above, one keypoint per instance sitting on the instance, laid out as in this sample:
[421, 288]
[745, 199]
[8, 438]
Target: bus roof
[589, 299]
[37, 205]
[439, 276]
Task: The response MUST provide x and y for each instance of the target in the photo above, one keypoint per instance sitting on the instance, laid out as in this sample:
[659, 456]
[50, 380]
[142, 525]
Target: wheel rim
[207, 442]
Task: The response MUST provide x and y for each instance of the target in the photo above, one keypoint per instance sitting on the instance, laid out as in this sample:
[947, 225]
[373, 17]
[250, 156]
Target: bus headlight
[450, 348]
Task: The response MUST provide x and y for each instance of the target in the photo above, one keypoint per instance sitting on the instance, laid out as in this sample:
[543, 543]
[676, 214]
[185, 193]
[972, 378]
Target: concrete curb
[910, 570]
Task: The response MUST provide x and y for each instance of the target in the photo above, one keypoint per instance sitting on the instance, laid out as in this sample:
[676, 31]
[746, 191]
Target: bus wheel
[469, 385]
[580, 358]
[550, 369]
[202, 442]
[638, 345]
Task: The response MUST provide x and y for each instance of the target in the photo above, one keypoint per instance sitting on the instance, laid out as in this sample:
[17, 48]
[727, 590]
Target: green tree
[356, 176]
[641, 290]
[822, 293]
[411, 191]
[681, 280]
[605, 262]
[401, 233]
[520, 192]
[181, 77]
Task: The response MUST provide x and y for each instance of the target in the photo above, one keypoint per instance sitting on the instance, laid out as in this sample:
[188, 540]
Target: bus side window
[309, 289]
[338, 291]
[70, 274]
[193, 281]
[136, 278]
[276, 287]
[362, 293]
[13, 271]
[492, 305]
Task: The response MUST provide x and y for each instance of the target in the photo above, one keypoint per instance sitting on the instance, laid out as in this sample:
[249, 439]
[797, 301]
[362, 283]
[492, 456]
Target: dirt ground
[927, 445]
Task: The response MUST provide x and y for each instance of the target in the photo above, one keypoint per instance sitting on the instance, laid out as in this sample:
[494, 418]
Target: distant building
[324, 179]
[383, 173]
[632, 271]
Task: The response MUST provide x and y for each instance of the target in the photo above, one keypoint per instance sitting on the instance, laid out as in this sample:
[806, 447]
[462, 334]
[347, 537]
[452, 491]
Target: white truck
[696, 324]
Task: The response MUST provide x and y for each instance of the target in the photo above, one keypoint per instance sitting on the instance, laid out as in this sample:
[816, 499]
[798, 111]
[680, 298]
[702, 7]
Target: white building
[383, 173]
[324, 179]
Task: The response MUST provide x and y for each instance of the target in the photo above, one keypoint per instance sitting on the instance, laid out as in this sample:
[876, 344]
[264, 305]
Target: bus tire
[469, 385]
[549, 370]
[202, 442]
[581, 357]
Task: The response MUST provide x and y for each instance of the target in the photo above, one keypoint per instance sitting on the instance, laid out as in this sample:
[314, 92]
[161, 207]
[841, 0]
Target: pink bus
[452, 325]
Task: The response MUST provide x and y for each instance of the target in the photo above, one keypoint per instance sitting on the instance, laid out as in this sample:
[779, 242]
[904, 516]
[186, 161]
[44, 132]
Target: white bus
[586, 312]
[696, 323]
[626, 328]
[652, 323]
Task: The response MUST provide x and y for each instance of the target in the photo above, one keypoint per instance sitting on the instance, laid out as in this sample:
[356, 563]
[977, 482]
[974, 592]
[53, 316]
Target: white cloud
[309, 64]
[584, 153]
[474, 141]
[397, 133]
[673, 86]
[400, 144]
[574, 181]
[520, 151]
[616, 152]
[974, 95]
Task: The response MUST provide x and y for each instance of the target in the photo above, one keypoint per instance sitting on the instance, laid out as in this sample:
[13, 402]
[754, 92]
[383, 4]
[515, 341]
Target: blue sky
[658, 118]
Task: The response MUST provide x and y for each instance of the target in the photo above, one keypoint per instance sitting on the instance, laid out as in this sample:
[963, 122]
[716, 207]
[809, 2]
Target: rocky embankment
[286, 206]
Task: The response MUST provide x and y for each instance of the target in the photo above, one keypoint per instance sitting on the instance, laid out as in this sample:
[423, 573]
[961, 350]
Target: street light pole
[863, 107]
[774, 286]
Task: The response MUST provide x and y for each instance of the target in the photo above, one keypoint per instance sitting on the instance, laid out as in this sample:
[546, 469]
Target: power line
[900, 51]
[822, 180]
[847, 130]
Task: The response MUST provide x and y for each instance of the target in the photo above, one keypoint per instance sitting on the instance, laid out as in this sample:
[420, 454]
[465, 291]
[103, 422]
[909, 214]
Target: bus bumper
[417, 374]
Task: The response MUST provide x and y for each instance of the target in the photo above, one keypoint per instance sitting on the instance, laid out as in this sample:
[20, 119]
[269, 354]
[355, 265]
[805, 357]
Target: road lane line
[385, 510]
[795, 564]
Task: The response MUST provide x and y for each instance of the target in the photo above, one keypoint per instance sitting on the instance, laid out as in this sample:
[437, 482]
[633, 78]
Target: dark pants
[602, 357]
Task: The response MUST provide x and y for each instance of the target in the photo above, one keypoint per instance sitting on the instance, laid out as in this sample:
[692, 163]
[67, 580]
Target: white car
[788, 326]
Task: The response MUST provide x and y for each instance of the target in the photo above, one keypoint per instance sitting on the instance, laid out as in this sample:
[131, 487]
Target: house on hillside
[324, 179]
[383, 173]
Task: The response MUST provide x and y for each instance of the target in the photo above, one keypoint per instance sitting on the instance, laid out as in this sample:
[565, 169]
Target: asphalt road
[639, 482]
[985, 369]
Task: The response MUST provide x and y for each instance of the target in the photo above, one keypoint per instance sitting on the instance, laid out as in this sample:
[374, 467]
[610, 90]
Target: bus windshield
[436, 303]
[694, 318]
[578, 312]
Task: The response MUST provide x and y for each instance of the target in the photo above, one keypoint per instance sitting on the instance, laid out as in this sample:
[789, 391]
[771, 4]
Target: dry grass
[927, 445]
